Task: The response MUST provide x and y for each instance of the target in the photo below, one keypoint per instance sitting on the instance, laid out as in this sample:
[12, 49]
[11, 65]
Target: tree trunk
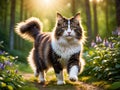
[12, 22]
[21, 18]
[21, 10]
[25, 10]
[118, 12]
[95, 17]
[88, 15]
[106, 16]
[5, 15]
[73, 7]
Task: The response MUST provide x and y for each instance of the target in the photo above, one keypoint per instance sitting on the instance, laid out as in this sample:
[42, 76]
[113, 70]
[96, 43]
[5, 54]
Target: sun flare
[96, 0]
[47, 1]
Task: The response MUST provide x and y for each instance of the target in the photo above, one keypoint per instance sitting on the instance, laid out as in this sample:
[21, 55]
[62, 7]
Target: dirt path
[51, 84]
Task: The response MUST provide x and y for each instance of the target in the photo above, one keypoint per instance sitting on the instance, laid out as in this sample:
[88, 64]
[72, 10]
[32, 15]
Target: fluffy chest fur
[65, 51]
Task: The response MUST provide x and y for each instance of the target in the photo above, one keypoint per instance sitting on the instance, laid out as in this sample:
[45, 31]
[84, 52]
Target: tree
[106, 15]
[21, 18]
[95, 17]
[21, 9]
[88, 14]
[73, 7]
[12, 22]
[5, 14]
[118, 12]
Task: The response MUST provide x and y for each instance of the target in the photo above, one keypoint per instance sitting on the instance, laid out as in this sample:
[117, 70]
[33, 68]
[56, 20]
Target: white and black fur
[60, 49]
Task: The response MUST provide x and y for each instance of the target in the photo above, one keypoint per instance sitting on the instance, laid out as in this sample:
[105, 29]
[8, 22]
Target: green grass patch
[28, 86]
[23, 67]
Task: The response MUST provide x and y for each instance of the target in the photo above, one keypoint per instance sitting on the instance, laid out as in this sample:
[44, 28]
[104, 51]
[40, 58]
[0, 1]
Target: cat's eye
[64, 28]
[73, 28]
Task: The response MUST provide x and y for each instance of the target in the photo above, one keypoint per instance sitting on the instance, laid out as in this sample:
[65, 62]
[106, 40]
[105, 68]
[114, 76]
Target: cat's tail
[29, 29]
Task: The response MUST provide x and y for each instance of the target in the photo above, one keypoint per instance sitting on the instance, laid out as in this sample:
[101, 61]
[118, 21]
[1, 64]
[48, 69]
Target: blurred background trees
[98, 17]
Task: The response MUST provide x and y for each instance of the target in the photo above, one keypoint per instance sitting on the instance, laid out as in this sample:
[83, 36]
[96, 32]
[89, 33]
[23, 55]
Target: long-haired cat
[60, 49]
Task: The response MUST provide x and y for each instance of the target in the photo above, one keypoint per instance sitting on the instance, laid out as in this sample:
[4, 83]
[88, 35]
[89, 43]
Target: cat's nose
[69, 33]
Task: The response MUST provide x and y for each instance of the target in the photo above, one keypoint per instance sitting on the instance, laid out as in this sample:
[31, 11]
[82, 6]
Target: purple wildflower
[93, 44]
[11, 64]
[2, 66]
[118, 32]
[98, 39]
[1, 52]
[114, 32]
[7, 62]
[105, 43]
[111, 45]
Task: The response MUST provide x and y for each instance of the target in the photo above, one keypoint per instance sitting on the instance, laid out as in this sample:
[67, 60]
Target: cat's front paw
[60, 82]
[73, 78]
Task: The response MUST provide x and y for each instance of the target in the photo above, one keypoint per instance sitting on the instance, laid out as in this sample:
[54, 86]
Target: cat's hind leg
[36, 72]
[42, 76]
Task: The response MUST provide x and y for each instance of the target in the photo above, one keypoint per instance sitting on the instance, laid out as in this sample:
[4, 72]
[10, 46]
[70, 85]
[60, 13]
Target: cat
[62, 48]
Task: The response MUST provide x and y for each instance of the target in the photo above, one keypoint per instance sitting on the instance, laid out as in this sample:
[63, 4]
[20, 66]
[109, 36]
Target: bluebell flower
[111, 45]
[118, 32]
[105, 43]
[7, 62]
[2, 66]
[11, 64]
[93, 44]
[114, 32]
[1, 52]
[98, 39]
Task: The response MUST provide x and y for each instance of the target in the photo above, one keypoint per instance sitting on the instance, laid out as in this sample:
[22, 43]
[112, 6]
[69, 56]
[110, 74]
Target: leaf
[115, 85]
[91, 52]
[117, 66]
[10, 87]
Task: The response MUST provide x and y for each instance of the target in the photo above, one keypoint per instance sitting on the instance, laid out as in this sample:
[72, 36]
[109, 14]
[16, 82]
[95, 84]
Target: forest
[101, 22]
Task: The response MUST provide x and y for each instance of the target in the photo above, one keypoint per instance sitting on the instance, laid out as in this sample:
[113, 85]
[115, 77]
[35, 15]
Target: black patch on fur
[74, 60]
[54, 61]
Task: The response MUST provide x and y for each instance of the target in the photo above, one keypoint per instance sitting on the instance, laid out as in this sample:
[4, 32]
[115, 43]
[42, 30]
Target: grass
[23, 67]
[28, 86]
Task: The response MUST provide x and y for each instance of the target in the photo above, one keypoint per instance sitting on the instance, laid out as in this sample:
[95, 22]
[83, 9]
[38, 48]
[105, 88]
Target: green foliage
[104, 61]
[115, 86]
[9, 77]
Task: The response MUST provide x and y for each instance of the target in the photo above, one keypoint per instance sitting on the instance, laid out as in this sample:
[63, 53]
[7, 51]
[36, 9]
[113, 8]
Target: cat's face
[68, 29]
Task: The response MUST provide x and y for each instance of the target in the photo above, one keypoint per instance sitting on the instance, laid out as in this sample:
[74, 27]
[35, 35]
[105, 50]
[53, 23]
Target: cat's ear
[77, 17]
[59, 16]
